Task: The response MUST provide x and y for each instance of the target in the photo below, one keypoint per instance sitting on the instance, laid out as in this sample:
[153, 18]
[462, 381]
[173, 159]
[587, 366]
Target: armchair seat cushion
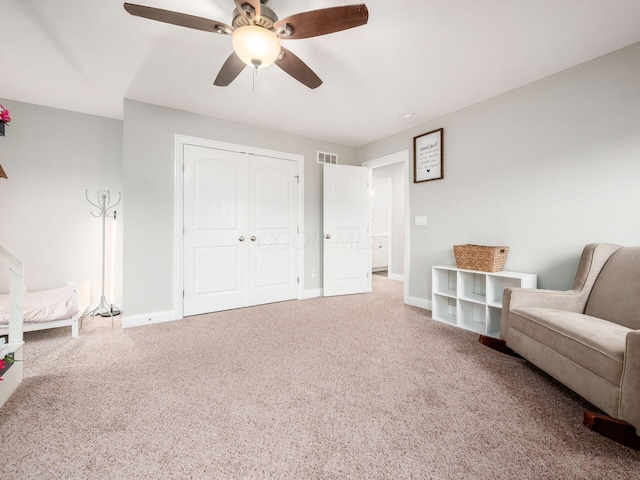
[595, 344]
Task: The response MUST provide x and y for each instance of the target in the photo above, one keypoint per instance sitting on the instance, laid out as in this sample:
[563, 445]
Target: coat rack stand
[104, 207]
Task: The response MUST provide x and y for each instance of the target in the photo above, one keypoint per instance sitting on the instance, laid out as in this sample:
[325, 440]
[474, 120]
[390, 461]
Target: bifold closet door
[240, 230]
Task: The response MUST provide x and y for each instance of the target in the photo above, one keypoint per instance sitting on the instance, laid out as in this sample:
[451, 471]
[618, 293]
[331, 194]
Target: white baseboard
[316, 292]
[418, 302]
[147, 319]
[169, 316]
[396, 277]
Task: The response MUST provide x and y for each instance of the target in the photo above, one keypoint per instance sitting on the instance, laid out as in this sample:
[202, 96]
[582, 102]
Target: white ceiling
[429, 57]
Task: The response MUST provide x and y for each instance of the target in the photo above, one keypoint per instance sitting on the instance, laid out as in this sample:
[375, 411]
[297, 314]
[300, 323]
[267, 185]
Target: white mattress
[44, 306]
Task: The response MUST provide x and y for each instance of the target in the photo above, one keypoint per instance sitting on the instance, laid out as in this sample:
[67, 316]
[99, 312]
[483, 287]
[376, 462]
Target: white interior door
[215, 230]
[347, 251]
[273, 226]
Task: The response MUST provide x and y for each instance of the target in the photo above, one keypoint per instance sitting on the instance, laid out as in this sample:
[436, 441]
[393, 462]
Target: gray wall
[51, 156]
[544, 169]
[148, 163]
[396, 172]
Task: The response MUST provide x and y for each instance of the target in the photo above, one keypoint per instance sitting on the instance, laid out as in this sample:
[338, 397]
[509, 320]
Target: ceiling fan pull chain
[255, 74]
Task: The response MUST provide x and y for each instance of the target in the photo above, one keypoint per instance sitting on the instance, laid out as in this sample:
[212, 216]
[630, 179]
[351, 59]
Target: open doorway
[381, 220]
[389, 215]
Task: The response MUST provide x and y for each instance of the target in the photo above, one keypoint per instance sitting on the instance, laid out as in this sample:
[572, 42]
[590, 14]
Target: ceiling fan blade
[229, 71]
[322, 22]
[299, 70]
[176, 18]
[255, 4]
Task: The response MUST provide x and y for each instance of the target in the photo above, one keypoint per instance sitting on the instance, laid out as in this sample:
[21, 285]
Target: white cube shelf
[12, 377]
[471, 299]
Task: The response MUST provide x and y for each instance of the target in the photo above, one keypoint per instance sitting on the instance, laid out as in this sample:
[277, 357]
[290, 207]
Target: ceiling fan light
[256, 46]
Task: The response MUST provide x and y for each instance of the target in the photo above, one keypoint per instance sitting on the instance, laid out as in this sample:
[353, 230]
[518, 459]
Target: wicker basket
[479, 257]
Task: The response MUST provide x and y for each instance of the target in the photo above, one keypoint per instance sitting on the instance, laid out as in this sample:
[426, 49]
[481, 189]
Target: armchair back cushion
[616, 294]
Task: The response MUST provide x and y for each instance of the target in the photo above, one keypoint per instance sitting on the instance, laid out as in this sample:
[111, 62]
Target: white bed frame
[81, 297]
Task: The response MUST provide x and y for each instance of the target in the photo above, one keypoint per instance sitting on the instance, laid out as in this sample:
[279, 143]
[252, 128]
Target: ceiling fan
[256, 33]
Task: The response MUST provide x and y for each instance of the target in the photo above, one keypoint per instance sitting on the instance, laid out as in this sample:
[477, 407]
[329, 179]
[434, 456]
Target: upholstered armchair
[588, 337]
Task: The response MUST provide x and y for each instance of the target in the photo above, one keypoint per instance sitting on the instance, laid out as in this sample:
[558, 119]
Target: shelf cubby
[473, 287]
[493, 321]
[472, 299]
[445, 282]
[445, 307]
[473, 316]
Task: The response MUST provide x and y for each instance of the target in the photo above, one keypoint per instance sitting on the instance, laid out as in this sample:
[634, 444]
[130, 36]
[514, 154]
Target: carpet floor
[359, 386]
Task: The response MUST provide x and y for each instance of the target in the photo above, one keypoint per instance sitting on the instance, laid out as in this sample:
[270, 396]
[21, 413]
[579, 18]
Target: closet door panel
[226, 260]
[273, 221]
[215, 230]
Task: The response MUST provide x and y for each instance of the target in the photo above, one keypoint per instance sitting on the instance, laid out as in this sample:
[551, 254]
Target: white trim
[178, 206]
[301, 242]
[418, 302]
[396, 277]
[178, 223]
[407, 223]
[313, 293]
[402, 156]
[388, 160]
[148, 319]
[369, 272]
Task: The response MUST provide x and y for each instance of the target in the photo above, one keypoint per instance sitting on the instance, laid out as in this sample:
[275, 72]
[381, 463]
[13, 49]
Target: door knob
[253, 238]
[241, 239]
[327, 236]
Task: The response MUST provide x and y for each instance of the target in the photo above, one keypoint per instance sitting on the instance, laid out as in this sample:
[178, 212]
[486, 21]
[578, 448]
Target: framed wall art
[427, 156]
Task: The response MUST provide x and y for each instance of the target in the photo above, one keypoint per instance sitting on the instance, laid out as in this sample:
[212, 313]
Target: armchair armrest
[515, 298]
[593, 258]
[630, 384]
[569, 300]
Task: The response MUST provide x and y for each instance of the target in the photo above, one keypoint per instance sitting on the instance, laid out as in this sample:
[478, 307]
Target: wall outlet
[314, 273]
[421, 219]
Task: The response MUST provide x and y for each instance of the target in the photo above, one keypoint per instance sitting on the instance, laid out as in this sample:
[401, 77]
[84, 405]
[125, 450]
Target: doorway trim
[178, 206]
[402, 156]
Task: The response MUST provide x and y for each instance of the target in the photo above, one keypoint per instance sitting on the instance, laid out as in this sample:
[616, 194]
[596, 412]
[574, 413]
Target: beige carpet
[350, 387]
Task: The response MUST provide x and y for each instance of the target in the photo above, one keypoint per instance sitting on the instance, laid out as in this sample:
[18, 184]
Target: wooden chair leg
[612, 428]
[497, 344]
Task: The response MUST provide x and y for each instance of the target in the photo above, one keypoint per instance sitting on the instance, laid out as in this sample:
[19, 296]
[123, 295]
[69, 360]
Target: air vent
[324, 157]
